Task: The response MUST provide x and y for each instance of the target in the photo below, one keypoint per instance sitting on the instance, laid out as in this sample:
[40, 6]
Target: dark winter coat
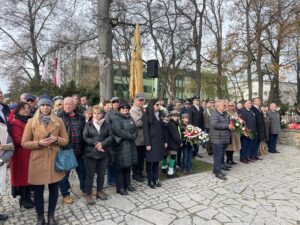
[196, 117]
[155, 136]
[125, 133]
[81, 121]
[249, 117]
[260, 123]
[218, 128]
[173, 135]
[91, 136]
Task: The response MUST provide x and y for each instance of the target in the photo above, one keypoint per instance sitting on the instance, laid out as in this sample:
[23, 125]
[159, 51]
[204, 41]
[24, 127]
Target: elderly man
[219, 133]
[196, 119]
[74, 122]
[260, 127]
[207, 113]
[275, 128]
[136, 112]
[247, 144]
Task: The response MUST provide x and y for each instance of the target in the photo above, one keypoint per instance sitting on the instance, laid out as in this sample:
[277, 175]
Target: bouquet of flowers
[240, 126]
[194, 135]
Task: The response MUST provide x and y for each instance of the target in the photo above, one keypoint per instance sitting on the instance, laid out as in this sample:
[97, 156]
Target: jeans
[139, 167]
[123, 178]
[64, 184]
[152, 171]
[272, 142]
[39, 198]
[219, 152]
[93, 166]
[187, 157]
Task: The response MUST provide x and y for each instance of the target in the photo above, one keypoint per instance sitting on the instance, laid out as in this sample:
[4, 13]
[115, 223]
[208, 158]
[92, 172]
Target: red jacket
[19, 163]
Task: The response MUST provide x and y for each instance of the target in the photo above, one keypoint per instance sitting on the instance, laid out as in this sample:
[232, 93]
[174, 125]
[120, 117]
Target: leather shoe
[226, 169]
[152, 185]
[221, 176]
[276, 151]
[257, 158]
[122, 191]
[244, 161]
[138, 178]
[41, 220]
[51, 220]
[3, 217]
[130, 188]
[157, 183]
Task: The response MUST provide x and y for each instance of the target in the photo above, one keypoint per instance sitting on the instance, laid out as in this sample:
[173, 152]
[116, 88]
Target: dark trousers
[139, 167]
[255, 148]
[111, 175]
[246, 144]
[123, 178]
[195, 150]
[229, 156]
[272, 142]
[93, 166]
[187, 157]
[152, 171]
[64, 184]
[179, 157]
[39, 198]
[219, 152]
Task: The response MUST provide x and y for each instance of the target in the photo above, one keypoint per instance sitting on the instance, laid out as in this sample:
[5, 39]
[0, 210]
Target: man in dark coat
[248, 145]
[196, 119]
[260, 126]
[74, 122]
[219, 135]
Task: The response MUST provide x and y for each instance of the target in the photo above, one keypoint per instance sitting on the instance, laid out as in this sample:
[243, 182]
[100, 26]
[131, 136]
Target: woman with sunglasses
[19, 163]
[58, 105]
[125, 133]
[155, 141]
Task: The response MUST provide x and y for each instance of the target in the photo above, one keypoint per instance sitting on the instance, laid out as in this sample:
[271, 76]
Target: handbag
[65, 160]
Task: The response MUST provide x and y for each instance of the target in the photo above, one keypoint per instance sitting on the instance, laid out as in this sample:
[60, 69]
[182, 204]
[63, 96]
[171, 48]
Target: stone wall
[290, 137]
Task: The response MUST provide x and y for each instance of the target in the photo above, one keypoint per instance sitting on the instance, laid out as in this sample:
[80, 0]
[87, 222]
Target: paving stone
[133, 220]
[154, 216]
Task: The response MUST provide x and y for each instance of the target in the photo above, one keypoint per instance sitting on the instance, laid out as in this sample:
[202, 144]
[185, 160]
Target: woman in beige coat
[44, 134]
[235, 144]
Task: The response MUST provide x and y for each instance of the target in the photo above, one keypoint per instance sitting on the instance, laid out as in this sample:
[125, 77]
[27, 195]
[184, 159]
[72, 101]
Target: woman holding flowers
[235, 144]
[155, 141]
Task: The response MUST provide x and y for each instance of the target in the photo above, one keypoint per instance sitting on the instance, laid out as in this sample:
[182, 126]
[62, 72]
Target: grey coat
[274, 122]
[218, 128]
[136, 113]
[125, 133]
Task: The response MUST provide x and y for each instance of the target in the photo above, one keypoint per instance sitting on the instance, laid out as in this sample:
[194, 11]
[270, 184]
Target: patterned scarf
[45, 119]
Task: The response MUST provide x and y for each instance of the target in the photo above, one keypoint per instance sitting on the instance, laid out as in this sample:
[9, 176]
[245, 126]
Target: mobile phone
[48, 135]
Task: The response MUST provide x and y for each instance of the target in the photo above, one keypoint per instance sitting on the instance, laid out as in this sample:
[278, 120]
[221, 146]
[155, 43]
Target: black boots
[25, 199]
[3, 217]
[51, 220]
[40, 220]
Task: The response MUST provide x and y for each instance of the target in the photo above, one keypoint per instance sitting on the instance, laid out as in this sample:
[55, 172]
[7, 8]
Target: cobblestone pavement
[265, 192]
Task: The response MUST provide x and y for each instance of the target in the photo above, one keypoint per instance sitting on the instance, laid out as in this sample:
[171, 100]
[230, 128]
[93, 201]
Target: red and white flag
[57, 70]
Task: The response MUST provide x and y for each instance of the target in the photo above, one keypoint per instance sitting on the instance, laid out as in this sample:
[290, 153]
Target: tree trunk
[249, 54]
[219, 75]
[105, 51]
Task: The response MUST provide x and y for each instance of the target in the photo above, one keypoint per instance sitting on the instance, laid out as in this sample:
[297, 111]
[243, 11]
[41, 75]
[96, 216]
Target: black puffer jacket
[125, 133]
[173, 135]
[91, 136]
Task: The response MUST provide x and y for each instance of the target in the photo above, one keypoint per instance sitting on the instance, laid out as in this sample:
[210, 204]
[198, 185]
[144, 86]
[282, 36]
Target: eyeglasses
[230, 105]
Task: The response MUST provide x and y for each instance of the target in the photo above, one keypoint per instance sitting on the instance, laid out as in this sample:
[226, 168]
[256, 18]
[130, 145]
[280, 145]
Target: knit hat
[114, 99]
[45, 100]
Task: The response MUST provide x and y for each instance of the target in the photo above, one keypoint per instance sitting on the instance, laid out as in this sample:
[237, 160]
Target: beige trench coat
[42, 159]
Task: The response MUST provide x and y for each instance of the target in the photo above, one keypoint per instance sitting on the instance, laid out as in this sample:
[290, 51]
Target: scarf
[24, 119]
[45, 119]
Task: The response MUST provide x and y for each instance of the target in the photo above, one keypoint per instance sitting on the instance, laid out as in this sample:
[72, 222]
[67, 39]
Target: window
[254, 93]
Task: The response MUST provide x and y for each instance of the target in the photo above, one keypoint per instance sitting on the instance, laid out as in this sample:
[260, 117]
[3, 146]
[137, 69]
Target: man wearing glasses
[32, 101]
[136, 112]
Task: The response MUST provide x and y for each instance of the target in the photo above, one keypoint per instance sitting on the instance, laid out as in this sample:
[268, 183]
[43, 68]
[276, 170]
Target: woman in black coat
[125, 133]
[97, 138]
[155, 141]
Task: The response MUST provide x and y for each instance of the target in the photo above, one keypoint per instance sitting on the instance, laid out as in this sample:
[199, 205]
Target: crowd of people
[121, 139]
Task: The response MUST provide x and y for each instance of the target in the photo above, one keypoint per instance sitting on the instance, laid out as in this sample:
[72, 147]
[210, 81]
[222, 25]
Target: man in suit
[275, 128]
[196, 119]
[247, 143]
[260, 126]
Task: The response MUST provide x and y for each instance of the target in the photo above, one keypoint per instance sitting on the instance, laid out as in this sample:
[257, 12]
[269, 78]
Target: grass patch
[198, 166]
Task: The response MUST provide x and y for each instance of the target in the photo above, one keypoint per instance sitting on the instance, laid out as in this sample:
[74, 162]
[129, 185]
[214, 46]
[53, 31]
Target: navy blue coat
[250, 120]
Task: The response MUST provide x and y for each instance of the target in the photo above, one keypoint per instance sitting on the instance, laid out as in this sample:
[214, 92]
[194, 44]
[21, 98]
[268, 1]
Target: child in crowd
[187, 148]
[165, 118]
[174, 141]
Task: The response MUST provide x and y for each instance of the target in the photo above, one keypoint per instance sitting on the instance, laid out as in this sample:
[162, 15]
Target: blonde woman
[58, 105]
[44, 134]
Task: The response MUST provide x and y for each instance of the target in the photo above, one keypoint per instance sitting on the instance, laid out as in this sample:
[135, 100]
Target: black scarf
[24, 119]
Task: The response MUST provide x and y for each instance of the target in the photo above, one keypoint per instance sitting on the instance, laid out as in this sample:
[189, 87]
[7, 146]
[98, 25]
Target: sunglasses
[125, 107]
[30, 100]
